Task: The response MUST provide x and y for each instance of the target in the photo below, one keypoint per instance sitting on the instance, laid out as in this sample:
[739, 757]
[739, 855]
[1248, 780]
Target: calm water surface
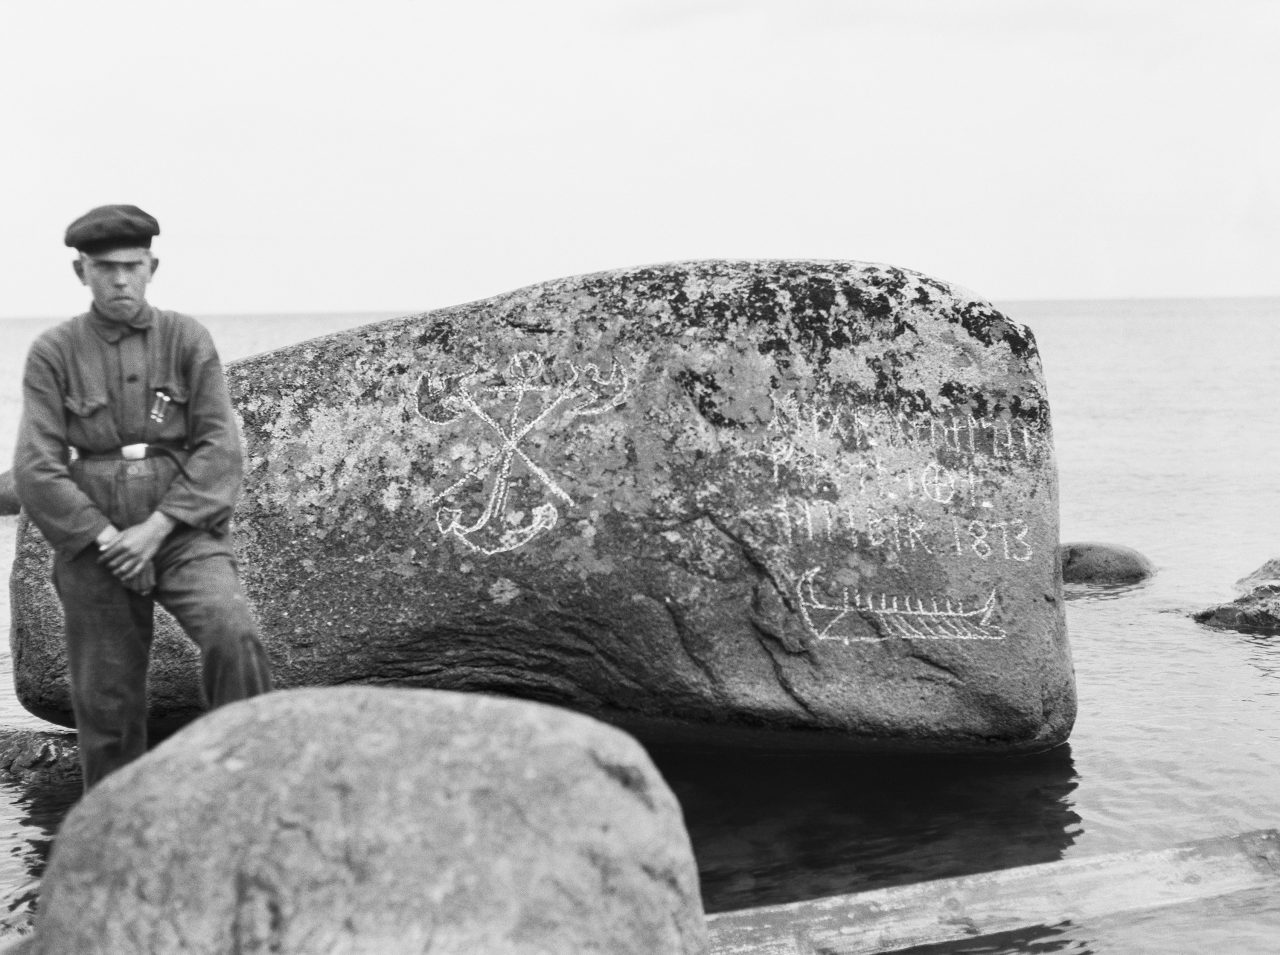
[1167, 441]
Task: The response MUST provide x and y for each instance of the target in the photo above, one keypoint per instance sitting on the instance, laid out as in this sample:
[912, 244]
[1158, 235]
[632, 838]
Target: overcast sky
[406, 155]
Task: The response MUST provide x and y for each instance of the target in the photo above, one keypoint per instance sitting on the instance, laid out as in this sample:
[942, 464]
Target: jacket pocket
[89, 423]
[177, 392]
[167, 419]
[84, 407]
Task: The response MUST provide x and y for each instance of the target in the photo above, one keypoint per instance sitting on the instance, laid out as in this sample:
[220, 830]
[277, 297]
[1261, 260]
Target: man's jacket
[95, 385]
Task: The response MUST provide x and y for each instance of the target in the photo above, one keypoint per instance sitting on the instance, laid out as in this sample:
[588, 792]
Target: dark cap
[112, 227]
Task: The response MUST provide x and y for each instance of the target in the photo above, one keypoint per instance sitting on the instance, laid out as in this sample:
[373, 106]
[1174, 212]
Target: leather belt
[135, 452]
[130, 452]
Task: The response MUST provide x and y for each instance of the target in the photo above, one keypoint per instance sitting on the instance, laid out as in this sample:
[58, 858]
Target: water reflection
[34, 811]
[1072, 592]
[1263, 654]
[774, 828]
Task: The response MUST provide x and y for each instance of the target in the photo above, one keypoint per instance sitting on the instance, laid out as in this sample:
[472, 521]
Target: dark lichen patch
[988, 326]
[702, 390]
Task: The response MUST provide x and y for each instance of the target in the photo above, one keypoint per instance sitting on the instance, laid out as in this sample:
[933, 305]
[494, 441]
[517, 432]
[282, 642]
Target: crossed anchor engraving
[452, 397]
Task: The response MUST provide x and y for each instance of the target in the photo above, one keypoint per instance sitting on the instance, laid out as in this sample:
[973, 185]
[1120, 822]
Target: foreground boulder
[379, 821]
[1256, 610]
[1089, 562]
[717, 500]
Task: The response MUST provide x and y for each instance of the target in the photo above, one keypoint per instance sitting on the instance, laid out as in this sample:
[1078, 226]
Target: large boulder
[377, 821]
[721, 499]
[1256, 610]
[1090, 562]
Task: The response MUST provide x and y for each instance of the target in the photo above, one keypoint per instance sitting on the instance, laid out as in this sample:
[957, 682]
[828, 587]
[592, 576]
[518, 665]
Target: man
[129, 463]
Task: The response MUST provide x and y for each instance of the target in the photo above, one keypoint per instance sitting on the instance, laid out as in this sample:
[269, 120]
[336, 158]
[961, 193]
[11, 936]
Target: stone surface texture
[1090, 562]
[1256, 610]
[711, 499]
[369, 820]
[37, 754]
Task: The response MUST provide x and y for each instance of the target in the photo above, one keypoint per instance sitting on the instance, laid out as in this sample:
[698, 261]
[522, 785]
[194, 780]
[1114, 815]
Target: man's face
[118, 280]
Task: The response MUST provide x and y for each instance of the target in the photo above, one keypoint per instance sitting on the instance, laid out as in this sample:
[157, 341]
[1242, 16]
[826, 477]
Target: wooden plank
[888, 920]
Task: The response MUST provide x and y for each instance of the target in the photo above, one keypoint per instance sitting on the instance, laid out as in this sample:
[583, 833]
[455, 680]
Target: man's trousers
[109, 630]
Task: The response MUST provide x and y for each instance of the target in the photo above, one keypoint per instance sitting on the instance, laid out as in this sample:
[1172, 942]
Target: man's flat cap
[112, 227]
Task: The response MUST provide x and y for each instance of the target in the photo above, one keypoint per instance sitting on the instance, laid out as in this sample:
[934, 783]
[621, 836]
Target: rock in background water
[718, 499]
[1090, 562]
[369, 820]
[1256, 610]
[36, 755]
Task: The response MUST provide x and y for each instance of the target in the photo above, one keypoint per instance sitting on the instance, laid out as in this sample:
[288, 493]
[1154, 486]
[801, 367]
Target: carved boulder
[358, 819]
[715, 500]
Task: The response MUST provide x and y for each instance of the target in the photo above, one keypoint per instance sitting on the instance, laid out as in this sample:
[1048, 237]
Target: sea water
[1167, 440]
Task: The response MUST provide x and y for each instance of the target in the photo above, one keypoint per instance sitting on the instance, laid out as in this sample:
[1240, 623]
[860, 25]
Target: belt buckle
[133, 452]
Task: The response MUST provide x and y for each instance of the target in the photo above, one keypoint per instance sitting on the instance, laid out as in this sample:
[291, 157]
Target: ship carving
[905, 617]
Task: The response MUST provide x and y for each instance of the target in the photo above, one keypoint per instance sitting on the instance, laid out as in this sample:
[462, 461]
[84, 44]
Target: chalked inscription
[507, 408]
[847, 476]
[893, 616]
[884, 482]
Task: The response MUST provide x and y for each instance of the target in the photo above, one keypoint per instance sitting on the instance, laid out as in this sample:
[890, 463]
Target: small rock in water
[1257, 610]
[27, 754]
[377, 820]
[1089, 562]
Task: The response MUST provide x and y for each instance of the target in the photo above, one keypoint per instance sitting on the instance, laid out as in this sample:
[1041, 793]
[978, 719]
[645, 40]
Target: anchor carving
[499, 526]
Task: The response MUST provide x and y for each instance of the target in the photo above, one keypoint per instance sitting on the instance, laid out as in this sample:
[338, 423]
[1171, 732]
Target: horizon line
[998, 301]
